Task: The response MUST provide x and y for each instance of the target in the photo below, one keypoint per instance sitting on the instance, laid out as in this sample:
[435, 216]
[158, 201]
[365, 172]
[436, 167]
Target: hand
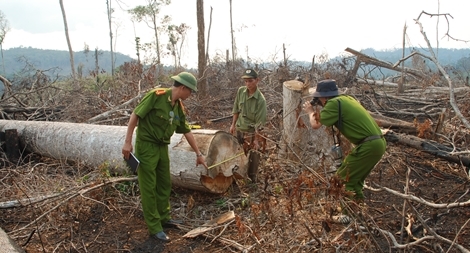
[126, 150]
[201, 160]
[307, 107]
[232, 129]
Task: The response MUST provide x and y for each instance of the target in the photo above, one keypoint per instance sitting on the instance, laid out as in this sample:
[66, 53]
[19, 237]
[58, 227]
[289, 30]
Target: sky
[307, 28]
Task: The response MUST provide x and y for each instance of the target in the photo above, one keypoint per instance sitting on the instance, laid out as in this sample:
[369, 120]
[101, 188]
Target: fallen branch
[92, 186]
[28, 201]
[108, 113]
[440, 238]
[211, 225]
[420, 200]
[428, 146]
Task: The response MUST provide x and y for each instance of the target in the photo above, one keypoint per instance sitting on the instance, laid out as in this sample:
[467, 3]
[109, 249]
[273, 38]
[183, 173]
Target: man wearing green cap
[158, 116]
[249, 117]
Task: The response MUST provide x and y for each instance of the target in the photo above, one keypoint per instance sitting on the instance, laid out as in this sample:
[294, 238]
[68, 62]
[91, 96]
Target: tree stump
[299, 140]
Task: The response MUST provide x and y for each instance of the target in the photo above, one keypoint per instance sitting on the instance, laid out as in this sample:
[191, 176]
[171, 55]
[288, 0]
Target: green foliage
[129, 188]
[278, 189]
[104, 169]
[221, 203]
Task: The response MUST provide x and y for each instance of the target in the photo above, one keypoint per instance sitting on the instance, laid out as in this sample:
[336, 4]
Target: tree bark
[66, 28]
[100, 146]
[208, 38]
[233, 39]
[298, 137]
[201, 45]
[370, 60]
[109, 11]
[427, 146]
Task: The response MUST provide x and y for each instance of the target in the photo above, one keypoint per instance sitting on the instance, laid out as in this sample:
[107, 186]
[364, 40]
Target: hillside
[21, 58]
[18, 59]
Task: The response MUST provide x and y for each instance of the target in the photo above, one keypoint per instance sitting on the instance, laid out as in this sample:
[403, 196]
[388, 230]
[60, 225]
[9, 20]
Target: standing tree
[149, 15]
[201, 44]
[68, 39]
[176, 35]
[4, 29]
[231, 32]
[110, 11]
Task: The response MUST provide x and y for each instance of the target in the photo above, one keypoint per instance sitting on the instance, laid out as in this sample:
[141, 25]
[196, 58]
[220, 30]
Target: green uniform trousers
[359, 163]
[154, 183]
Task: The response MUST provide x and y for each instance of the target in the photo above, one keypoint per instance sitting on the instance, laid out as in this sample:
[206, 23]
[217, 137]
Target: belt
[370, 138]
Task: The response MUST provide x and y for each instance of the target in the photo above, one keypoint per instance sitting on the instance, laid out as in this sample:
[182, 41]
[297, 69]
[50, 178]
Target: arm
[127, 147]
[192, 142]
[235, 112]
[234, 122]
[313, 115]
[260, 119]
[260, 122]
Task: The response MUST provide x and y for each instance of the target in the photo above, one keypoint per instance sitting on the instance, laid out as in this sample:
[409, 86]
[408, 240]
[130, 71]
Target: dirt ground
[288, 210]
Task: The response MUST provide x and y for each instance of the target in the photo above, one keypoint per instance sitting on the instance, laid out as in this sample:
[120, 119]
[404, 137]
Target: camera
[315, 101]
[337, 152]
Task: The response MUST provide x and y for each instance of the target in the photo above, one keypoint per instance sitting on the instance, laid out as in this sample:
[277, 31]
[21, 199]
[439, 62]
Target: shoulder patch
[159, 92]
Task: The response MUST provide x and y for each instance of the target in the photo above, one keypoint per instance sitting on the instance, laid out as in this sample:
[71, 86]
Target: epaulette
[159, 92]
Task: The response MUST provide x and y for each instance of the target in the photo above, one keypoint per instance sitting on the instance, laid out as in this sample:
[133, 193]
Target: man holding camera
[356, 124]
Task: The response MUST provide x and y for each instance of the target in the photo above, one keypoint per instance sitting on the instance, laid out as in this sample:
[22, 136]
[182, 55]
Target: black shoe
[172, 224]
[161, 236]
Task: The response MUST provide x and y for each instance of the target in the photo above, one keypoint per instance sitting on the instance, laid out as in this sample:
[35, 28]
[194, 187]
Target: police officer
[356, 124]
[158, 116]
[249, 116]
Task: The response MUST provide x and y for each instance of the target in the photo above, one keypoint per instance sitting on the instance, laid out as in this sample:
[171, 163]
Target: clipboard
[133, 163]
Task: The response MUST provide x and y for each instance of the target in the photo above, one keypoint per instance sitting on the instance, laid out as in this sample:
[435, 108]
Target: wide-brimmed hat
[326, 88]
[250, 73]
[186, 79]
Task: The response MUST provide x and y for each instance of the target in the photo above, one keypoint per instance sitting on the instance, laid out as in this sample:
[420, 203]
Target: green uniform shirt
[357, 123]
[158, 120]
[251, 110]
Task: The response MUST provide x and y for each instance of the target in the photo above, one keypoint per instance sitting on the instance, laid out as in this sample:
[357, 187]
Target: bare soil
[288, 210]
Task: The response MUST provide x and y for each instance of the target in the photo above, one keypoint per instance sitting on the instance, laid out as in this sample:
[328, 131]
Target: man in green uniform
[249, 117]
[356, 124]
[158, 116]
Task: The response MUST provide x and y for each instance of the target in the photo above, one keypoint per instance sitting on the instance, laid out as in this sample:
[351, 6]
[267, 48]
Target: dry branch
[29, 201]
[210, 225]
[433, 58]
[108, 113]
[89, 187]
[420, 200]
[428, 146]
[370, 60]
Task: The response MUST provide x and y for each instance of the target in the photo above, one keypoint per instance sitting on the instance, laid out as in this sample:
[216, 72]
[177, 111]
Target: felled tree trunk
[100, 146]
[427, 146]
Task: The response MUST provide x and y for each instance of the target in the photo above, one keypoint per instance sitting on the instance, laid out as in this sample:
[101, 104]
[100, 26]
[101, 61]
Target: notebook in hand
[133, 163]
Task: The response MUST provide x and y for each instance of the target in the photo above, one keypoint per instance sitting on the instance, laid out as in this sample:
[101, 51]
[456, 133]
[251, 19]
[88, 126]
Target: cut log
[8, 245]
[427, 146]
[100, 145]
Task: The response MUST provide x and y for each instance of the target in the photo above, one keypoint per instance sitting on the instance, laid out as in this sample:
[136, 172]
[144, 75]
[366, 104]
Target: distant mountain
[445, 56]
[17, 59]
